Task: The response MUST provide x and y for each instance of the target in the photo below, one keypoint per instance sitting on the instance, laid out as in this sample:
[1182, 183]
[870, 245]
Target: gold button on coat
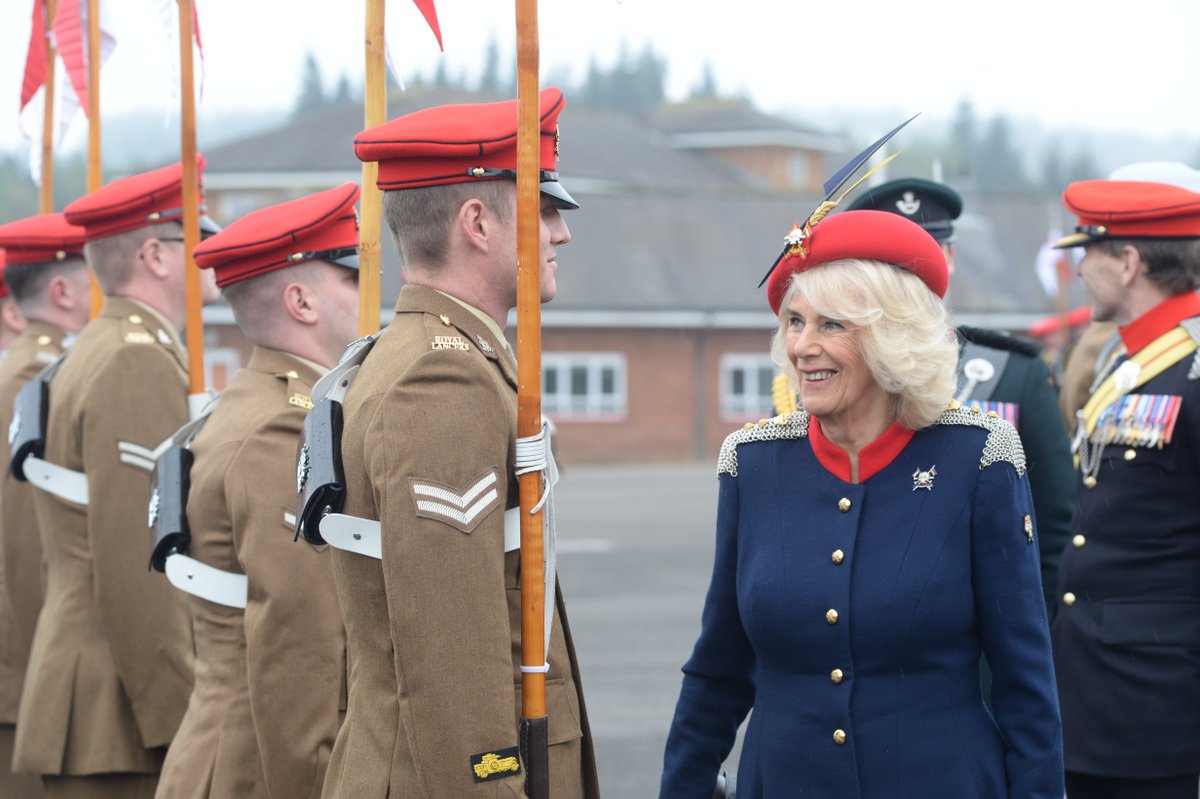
[843, 504]
[838, 556]
[831, 616]
[137, 320]
[839, 737]
[43, 340]
[1078, 541]
[837, 676]
[1068, 599]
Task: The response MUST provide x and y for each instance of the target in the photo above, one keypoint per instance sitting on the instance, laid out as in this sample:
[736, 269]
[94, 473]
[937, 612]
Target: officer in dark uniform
[1000, 373]
[1127, 632]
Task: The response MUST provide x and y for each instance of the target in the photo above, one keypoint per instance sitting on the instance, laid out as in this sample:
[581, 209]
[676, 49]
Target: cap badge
[478, 171]
[924, 479]
[794, 240]
[908, 204]
[60, 255]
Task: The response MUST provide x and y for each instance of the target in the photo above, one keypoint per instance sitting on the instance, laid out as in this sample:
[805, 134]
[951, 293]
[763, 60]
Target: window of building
[746, 380]
[591, 385]
[798, 171]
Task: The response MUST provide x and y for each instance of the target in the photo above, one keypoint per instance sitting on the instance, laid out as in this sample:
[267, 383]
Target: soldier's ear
[1131, 264]
[475, 224]
[152, 253]
[301, 303]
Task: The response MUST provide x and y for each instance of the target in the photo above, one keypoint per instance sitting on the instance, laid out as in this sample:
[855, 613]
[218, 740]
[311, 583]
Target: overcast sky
[1099, 64]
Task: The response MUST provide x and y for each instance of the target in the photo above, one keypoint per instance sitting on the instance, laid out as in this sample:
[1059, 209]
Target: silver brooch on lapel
[924, 479]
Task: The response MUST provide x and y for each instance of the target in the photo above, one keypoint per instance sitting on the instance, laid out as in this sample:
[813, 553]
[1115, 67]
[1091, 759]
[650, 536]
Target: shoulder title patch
[494, 765]
[301, 401]
[1003, 443]
[788, 425]
[449, 343]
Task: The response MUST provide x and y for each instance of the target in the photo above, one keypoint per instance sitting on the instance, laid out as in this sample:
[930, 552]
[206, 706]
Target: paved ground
[636, 547]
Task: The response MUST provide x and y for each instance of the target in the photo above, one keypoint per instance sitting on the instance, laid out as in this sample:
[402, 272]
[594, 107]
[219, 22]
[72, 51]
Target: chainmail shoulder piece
[1192, 326]
[1003, 443]
[787, 425]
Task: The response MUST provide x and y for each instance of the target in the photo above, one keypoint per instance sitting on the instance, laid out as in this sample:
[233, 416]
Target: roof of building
[661, 229]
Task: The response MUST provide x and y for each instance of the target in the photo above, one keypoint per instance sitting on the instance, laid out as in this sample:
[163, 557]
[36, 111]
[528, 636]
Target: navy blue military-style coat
[1127, 629]
[850, 619]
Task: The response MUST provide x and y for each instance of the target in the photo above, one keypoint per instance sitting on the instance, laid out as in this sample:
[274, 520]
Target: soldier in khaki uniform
[270, 677]
[49, 283]
[428, 449]
[111, 665]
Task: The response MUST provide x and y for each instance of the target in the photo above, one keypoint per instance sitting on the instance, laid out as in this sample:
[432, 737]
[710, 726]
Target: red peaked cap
[877, 235]
[41, 239]
[1130, 209]
[137, 201]
[319, 227]
[461, 143]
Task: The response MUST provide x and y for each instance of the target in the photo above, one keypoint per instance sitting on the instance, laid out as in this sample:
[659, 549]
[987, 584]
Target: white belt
[361, 536]
[198, 579]
[57, 480]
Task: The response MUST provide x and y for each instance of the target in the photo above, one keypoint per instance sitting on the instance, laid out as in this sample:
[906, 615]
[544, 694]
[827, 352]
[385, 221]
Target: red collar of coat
[1159, 319]
[872, 459]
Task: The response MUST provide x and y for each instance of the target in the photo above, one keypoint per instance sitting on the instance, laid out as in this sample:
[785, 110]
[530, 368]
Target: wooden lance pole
[191, 211]
[529, 403]
[370, 220]
[46, 195]
[94, 174]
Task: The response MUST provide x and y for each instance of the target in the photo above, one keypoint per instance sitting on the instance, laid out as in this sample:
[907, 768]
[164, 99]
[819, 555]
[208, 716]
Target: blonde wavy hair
[903, 331]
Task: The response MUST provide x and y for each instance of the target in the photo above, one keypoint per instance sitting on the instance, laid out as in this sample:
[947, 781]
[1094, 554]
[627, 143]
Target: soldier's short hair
[1171, 264]
[420, 218]
[27, 282]
[111, 258]
[255, 301]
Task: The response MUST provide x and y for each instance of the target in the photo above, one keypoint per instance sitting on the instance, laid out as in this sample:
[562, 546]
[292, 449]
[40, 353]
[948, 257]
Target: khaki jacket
[434, 628]
[20, 549]
[111, 665]
[269, 680]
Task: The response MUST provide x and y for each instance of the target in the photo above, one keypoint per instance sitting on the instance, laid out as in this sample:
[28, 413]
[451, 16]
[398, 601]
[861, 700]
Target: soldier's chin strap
[535, 455]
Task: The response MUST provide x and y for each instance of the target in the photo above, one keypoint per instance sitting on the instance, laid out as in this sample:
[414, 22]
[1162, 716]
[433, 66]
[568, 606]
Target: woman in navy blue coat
[870, 548]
